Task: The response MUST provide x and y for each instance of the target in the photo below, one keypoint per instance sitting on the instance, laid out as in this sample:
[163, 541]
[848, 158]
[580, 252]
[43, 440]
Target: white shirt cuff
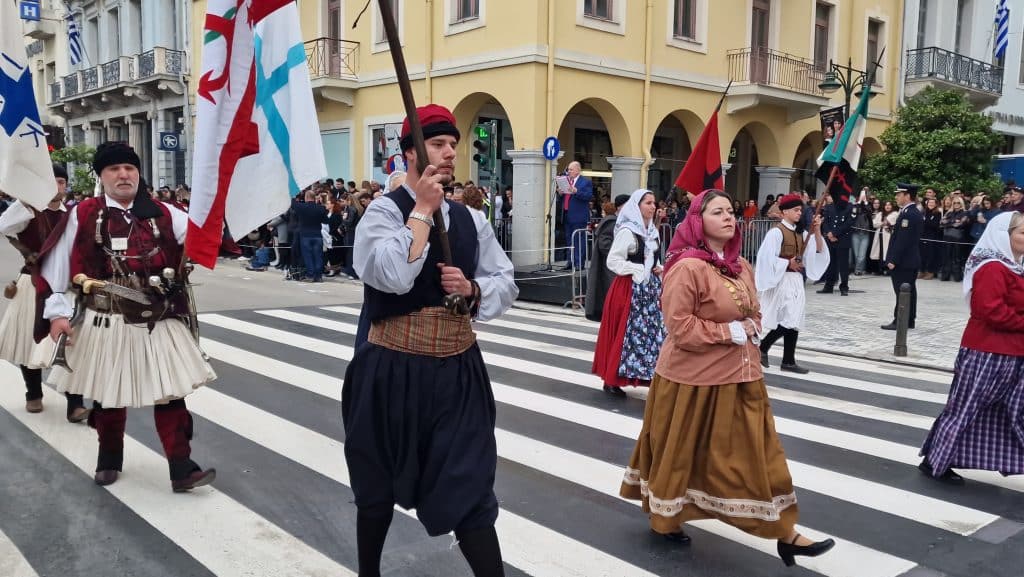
[57, 305]
[739, 334]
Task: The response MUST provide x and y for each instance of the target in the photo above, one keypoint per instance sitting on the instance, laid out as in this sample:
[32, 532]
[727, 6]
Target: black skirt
[419, 432]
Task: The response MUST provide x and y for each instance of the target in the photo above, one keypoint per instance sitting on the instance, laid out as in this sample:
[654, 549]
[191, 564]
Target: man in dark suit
[838, 230]
[904, 258]
[575, 205]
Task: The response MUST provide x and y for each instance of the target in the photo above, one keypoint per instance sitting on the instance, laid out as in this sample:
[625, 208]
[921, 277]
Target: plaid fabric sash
[432, 331]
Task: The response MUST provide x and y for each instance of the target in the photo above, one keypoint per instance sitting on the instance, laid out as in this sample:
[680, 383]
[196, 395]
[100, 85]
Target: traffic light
[482, 145]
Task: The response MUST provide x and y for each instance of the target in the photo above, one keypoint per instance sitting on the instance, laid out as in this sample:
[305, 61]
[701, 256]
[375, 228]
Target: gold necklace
[737, 289]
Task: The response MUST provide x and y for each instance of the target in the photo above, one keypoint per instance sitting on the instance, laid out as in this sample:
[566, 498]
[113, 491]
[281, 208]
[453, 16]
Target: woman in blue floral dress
[632, 329]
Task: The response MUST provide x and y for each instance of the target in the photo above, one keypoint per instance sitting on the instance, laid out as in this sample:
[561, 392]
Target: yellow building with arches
[626, 85]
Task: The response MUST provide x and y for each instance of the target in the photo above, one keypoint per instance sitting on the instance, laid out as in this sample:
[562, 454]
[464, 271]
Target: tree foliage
[78, 158]
[937, 141]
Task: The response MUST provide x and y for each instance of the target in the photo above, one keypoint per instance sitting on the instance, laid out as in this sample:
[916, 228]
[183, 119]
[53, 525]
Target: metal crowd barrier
[503, 232]
[579, 274]
[754, 231]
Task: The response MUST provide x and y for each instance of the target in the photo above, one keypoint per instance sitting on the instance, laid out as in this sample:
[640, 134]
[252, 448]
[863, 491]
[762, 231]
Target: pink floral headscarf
[689, 242]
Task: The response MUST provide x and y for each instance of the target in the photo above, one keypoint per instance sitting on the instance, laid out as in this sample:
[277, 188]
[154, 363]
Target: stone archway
[591, 131]
[670, 147]
[754, 159]
[471, 110]
[870, 147]
[805, 162]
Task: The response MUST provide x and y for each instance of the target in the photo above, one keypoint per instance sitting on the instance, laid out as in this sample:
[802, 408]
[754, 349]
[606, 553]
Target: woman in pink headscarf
[708, 448]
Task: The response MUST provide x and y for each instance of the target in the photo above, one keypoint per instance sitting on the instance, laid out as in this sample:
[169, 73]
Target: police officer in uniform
[838, 230]
[903, 258]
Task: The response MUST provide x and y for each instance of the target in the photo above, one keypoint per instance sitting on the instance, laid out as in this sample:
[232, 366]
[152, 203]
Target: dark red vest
[88, 256]
[37, 231]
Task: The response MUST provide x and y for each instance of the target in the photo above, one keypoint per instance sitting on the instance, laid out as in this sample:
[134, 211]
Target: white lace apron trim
[742, 508]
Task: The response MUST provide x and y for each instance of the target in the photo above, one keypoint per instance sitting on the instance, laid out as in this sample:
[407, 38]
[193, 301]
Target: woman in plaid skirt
[982, 425]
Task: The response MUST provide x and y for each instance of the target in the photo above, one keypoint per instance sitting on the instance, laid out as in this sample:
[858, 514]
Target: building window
[922, 23]
[963, 27]
[1020, 78]
[875, 29]
[466, 10]
[598, 9]
[684, 19]
[382, 37]
[822, 25]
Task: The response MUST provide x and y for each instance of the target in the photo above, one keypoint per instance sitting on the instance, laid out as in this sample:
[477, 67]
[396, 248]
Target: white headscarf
[631, 219]
[993, 246]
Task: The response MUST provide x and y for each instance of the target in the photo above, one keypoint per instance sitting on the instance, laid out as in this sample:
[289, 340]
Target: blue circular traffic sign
[551, 148]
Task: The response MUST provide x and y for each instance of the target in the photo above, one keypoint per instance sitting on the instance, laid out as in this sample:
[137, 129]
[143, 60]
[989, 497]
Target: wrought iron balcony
[70, 85]
[122, 79]
[768, 67]
[90, 79]
[982, 81]
[767, 77]
[332, 58]
[333, 68]
[161, 61]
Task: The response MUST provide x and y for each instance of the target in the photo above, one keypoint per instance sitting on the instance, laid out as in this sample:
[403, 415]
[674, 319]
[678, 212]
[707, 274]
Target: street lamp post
[843, 77]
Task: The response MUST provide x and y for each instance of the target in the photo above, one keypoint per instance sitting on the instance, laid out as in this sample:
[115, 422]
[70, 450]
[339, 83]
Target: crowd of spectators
[314, 238]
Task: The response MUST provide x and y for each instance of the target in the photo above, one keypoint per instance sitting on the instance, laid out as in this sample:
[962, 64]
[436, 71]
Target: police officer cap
[910, 189]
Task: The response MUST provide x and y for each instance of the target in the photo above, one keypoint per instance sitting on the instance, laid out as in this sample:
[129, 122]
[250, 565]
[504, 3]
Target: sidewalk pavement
[850, 325]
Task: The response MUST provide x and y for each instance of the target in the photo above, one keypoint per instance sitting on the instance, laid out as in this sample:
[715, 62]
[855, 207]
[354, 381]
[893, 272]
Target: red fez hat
[435, 120]
[790, 201]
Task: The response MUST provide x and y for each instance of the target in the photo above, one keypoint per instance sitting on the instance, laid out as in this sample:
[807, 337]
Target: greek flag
[75, 48]
[1002, 28]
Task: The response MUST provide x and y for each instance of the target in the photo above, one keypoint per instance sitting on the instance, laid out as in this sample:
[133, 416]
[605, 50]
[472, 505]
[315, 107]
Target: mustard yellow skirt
[711, 453]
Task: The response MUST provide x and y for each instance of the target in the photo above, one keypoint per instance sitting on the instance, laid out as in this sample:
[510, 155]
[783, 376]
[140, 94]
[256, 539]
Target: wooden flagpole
[453, 302]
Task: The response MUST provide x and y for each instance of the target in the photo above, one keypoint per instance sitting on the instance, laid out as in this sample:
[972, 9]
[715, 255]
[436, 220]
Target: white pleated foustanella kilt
[126, 365]
[784, 304]
[16, 343]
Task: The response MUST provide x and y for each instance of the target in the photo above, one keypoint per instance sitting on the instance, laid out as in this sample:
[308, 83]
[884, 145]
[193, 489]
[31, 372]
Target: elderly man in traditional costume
[417, 403]
[708, 447]
[28, 229]
[126, 353]
[786, 253]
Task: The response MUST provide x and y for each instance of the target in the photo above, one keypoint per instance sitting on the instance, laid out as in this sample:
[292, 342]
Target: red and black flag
[703, 170]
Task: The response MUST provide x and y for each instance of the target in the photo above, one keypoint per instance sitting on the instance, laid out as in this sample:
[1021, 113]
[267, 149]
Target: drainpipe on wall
[901, 94]
[646, 122]
[185, 24]
[428, 83]
[549, 128]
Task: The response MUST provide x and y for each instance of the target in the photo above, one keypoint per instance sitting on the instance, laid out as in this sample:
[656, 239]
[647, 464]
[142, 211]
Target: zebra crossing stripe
[586, 379]
[526, 545]
[906, 504]
[503, 361]
[575, 353]
[223, 542]
[12, 562]
[525, 327]
[312, 381]
[865, 386]
[271, 432]
[877, 367]
[918, 508]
